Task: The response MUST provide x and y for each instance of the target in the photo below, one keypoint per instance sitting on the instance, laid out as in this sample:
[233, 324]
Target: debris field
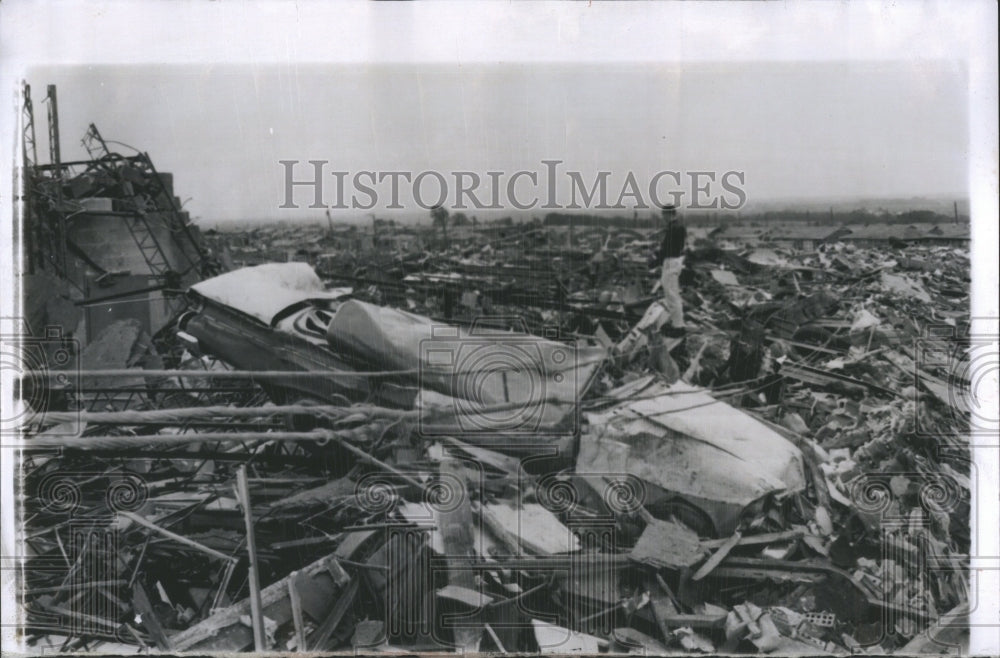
[464, 442]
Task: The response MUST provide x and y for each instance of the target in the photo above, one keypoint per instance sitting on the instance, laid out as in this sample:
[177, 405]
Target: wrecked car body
[513, 392]
[688, 446]
[271, 318]
[510, 389]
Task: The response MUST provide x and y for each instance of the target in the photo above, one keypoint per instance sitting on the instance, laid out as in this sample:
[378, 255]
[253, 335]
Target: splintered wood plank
[455, 525]
[223, 630]
[148, 618]
[667, 544]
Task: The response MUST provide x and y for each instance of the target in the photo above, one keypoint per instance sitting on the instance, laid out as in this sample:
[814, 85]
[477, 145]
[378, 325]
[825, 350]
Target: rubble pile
[443, 445]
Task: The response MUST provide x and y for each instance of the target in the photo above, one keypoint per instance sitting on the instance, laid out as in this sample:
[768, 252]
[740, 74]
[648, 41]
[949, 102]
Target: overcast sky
[819, 129]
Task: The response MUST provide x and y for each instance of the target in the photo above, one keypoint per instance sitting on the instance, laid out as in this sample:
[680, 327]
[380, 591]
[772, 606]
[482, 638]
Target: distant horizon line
[794, 204]
[525, 217]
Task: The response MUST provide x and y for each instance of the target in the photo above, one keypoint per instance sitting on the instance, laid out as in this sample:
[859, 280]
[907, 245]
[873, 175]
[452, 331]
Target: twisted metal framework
[29, 153]
[142, 199]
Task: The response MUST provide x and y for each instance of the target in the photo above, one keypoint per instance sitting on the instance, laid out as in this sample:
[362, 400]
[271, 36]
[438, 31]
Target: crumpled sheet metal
[264, 291]
[682, 439]
[536, 383]
[903, 285]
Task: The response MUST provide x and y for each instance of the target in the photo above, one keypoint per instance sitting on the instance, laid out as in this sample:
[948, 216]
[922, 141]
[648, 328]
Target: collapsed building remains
[442, 450]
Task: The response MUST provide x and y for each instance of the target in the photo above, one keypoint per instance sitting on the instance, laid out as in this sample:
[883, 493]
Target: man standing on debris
[670, 258]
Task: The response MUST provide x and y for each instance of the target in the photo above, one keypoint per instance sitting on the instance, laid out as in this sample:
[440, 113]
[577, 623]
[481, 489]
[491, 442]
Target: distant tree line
[815, 218]
[580, 219]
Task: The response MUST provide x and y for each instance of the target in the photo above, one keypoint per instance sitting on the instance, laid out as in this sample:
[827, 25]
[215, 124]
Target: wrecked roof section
[682, 439]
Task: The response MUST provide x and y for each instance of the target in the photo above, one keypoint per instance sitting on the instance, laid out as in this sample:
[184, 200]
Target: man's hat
[668, 210]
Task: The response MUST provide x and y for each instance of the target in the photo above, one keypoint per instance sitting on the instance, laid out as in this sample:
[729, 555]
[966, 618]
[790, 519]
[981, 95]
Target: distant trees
[922, 217]
[439, 219]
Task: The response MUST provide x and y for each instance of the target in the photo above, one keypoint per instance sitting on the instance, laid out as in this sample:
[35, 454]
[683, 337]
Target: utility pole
[56, 161]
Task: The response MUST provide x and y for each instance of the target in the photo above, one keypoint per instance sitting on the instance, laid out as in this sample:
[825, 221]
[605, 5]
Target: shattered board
[667, 544]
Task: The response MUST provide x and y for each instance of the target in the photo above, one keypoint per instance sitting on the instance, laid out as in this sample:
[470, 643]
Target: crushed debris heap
[440, 450]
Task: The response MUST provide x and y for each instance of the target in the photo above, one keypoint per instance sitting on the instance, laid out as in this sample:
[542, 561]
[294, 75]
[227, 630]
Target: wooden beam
[256, 607]
[178, 538]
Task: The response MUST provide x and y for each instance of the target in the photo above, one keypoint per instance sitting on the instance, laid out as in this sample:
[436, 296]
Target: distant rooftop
[803, 232]
[906, 232]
